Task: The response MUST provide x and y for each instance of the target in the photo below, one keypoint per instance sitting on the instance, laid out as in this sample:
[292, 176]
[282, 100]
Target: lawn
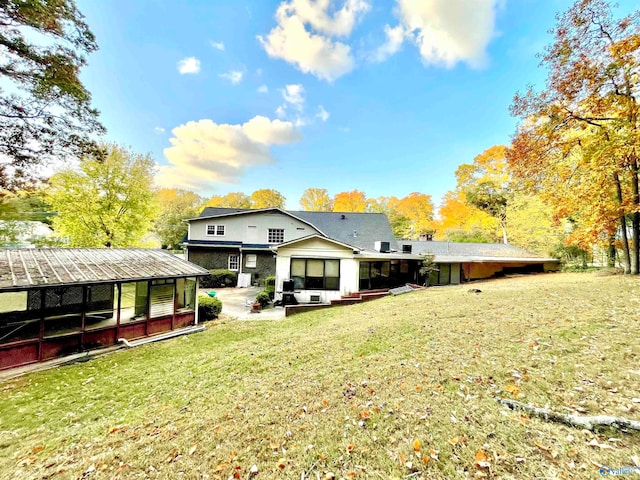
[402, 387]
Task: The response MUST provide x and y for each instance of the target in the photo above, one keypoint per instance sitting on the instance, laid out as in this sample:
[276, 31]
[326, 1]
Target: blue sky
[383, 96]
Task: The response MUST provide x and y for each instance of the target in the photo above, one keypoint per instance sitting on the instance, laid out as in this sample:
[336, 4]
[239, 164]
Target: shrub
[270, 286]
[263, 298]
[208, 307]
[219, 278]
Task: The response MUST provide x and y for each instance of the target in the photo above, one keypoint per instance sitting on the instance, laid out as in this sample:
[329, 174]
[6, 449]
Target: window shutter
[161, 301]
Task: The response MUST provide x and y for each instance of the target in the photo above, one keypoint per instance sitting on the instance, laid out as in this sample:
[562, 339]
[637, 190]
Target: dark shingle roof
[459, 249]
[30, 267]
[368, 227]
[340, 226]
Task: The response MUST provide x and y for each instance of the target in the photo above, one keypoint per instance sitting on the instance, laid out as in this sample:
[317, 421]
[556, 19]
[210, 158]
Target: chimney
[426, 237]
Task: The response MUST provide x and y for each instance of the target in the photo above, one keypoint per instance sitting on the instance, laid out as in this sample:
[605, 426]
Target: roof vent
[382, 247]
[355, 234]
[343, 216]
[406, 248]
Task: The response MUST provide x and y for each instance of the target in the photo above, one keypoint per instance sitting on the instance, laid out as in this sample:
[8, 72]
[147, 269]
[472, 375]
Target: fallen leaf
[454, 440]
[513, 390]
[364, 415]
[350, 448]
[416, 445]
[192, 450]
[481, 460]
[37, 448]
[434, 454]
[426, 459]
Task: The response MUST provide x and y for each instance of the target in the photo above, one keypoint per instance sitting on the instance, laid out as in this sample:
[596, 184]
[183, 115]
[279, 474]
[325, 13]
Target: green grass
[349, 390]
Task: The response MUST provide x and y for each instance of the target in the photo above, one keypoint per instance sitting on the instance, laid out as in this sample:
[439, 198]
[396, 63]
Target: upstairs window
[215, 230]
[276, 235]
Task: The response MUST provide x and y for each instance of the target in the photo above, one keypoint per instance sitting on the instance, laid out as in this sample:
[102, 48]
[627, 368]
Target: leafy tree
[316, 200]
[577, 142]
[531, 225]
[353, 201]
[485, 183]
[459, 219]
[230, 200]
[105, 203]
[46, 112]
[418, 209]
[266, 198]
[174, 207]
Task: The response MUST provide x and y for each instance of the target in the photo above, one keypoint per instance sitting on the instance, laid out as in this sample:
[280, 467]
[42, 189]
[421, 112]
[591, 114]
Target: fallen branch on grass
[580, 421]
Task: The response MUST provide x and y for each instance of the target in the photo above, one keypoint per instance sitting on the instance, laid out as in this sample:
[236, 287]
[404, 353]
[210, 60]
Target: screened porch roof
[37, 267]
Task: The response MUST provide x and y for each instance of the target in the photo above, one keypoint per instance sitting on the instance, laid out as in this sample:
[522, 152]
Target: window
[186, 293]
[161, 304]
[234, 262]
[63, 310]
[19, 316]
[276, 235]
[315, 274]
[102, 305]
[215, 230]
[133, 304]
[251, 260]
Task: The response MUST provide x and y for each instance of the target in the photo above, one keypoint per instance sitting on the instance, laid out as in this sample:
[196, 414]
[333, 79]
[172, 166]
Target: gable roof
[33, 267]
[473, 251]
[360, 230]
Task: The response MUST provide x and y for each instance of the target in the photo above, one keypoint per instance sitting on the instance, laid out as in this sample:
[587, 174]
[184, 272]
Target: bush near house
[263, 298]
[270, 286]
[219, 278]
[208, 308]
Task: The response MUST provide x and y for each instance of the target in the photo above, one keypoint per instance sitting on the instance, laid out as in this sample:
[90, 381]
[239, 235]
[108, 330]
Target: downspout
[196, 300]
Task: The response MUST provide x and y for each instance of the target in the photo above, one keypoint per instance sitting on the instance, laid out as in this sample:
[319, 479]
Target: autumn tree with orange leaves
[577, 143]
[353, 201]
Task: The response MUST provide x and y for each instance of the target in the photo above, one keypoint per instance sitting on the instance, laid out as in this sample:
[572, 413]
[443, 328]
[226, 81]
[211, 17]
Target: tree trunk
[503, 226]
[623, 227]
[611, 253]
[635, 219]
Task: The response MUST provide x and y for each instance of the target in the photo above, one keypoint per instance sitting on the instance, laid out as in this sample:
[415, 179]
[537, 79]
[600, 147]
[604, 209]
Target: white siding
[250, 228]
[318, 248]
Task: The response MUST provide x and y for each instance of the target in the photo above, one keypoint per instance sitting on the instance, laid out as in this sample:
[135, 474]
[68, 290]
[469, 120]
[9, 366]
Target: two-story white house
[325, 255]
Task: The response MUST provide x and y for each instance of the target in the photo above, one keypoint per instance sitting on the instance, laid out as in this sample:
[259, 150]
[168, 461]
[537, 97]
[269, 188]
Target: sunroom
[55, 302]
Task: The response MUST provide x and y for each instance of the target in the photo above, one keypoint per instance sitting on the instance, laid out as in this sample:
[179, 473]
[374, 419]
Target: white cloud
[322, 114]
[263, 89]
[203, 152]
[217, 45]
[314, 52]
[159, 130]
[395, 38]
[281, 111]
[314, 12]
[234, 76]
[189, 65]
[450, 31]
[294, 94]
